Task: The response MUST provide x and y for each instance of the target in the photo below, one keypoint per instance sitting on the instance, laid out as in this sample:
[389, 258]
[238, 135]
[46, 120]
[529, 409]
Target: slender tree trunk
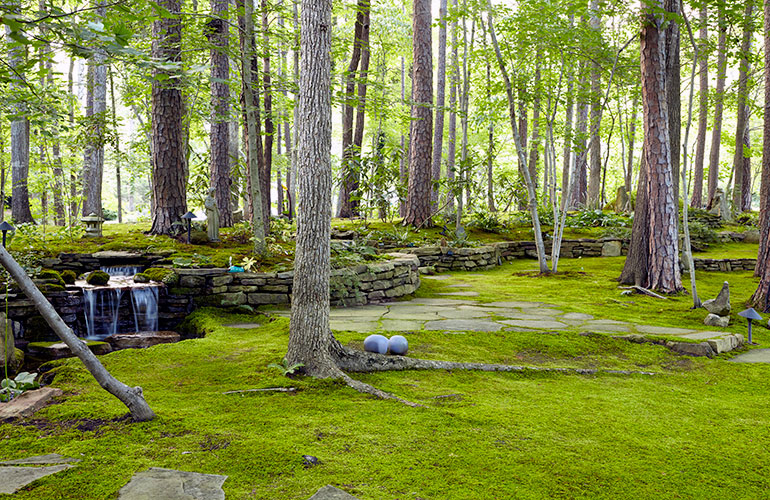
[309, 336]
[627, 179]
[219, 135]
[490, 148]
[716, 131]
[96, 108]
[595, 170]
[454, 80]
[73, 190]
[742, 117]
[569, 110]
[117, 148]
[438, 130]
[664, 240]
[534, 148]
[265, 174]
[418, 212]
[700, 141]
[761, 295]
[358, 134]
[746, 166]
[580, 183]
[169, 198]
[673, 93]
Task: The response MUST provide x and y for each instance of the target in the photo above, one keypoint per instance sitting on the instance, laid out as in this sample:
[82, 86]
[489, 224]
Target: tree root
[369, 389]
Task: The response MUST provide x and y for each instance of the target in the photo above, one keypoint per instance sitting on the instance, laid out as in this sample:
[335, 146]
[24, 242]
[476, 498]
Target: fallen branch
[644, 291]
[266, 389]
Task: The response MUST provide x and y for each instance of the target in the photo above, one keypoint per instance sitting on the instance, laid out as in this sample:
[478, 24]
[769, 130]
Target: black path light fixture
[189, 216]
[750, 314]
[5, 227]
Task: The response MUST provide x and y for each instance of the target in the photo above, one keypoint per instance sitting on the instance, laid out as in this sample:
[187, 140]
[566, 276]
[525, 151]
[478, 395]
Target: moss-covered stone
[98, 278]
[51, 287]
[69, 276]
[51, 276]
[162, 275]
[141, 278]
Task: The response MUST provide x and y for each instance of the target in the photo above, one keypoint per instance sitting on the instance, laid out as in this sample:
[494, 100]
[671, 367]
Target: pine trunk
[742, 116]
[595, 144]
[438, 130]
[762, 270]
[454, 81]
[719, 97]
[673, 93]
[266, 168]
[700, 141]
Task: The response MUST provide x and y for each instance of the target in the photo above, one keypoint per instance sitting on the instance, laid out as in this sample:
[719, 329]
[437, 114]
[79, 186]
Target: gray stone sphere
[376, 343]
[398, 345]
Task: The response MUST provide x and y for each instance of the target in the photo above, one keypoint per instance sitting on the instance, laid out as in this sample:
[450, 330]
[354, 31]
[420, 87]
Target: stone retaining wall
[487, 257]
[725, 265]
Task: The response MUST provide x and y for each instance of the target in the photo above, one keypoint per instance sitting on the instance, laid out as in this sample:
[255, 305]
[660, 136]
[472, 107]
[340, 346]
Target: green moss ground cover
[697, 429]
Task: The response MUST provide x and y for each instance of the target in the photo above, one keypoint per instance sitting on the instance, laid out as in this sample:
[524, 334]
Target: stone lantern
[93, 225]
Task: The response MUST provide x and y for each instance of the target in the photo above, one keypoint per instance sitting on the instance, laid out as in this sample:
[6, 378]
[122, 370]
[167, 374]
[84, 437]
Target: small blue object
[376, 343]
[398, 345]
[235, 269]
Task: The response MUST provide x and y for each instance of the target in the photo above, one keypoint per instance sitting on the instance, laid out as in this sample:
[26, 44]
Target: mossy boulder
[51, 276]
[141, 278]
[198, 237]
[69, 276]
[98, 278]
[162, 275]
[51, 287]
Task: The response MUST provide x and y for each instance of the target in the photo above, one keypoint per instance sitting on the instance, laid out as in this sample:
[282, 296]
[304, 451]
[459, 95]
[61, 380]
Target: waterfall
[145, 302]
[102, 307]
[122, 270]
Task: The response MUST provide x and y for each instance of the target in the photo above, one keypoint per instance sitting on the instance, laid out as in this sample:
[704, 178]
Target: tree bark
[96, 108]
[580, 182]
[309, 335]
[663, 259]
[627, 179]
[534, 147]
[117, 149]
[420, 152]
[760, 297]
[266, 168]
[674, 93]
[454, 82]
[438, 130]
[569, 110]
[716, 131]
[739, 173]
[169, 198]
[595, 170]
[130, 396]
[700, 141]
[219, 135]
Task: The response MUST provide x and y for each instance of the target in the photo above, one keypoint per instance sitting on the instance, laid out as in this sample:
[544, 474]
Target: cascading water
[104, 315]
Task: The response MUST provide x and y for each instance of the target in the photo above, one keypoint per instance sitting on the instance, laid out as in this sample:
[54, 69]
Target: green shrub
[97, 278]
[69, 276]
[597, 218]
[702, 233]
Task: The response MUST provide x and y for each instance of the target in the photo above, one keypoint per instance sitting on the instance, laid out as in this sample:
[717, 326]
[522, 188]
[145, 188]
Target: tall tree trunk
[673, 93]
[265, 174]
[629, 173]
[719, 97]
[664, 236]
[490, 147]
[219, 134]
[595, 170]
[358, 133]
[249, 70]
[762, 294]
[20, 212]
[169, 198]
[534, 148]
[96, 108]
[438, 130]
[454, 81]
[73, 190]
[117, 148]
[746, 181]
[569, 110]
[580, 183]
[309, 334]
[419, 189]
[742, 117]
[700, 141]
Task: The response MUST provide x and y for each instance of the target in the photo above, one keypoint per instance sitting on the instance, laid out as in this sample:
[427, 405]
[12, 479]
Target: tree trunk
[745, 205]
[534, 148]
[719, 97]
[580, 183]
[96, 107]
[117, 149]
[420, 151]
[309, 335]
[20, 212]
[569, 107]
[219, 135]
[595, 170]
[742, 117]
[266, 169]
[673, 93]
[454, 81]
[130, 396]
[761, 295]
[664, 241]
[169, 198]
[700, 141]
[627, 179]
[438, 130]
[73, 190]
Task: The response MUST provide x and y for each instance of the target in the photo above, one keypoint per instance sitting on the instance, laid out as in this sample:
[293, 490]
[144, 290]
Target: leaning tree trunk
[742, 115]
[420, 150]
[309, 334]
[130, 396]
[700, 141]
[664, 236]
[219, 135]
[716, 131]
[169, 199]
[763, 257]
[438, 130]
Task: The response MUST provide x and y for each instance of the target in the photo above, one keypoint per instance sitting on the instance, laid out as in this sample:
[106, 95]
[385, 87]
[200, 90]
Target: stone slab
[168, 484]
[16, 477]
[438, 277]
[329, 492]
[541, 324]
[753, 356]
[613, 327]
[449, 313]
[521, 315]
[401, 325]
[49, 459]
[460, 294]
[440, 302]
[515, 304]
[142, 340]
[357, 312]
[578, 316]
[28, 403]
[663, 330]
[703, 335]
[244, 326]
[460, 285]
[463, 325]
[354, 326]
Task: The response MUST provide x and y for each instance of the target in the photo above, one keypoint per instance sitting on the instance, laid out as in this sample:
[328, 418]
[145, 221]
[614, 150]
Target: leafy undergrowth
[697, 429]
[588, 285]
